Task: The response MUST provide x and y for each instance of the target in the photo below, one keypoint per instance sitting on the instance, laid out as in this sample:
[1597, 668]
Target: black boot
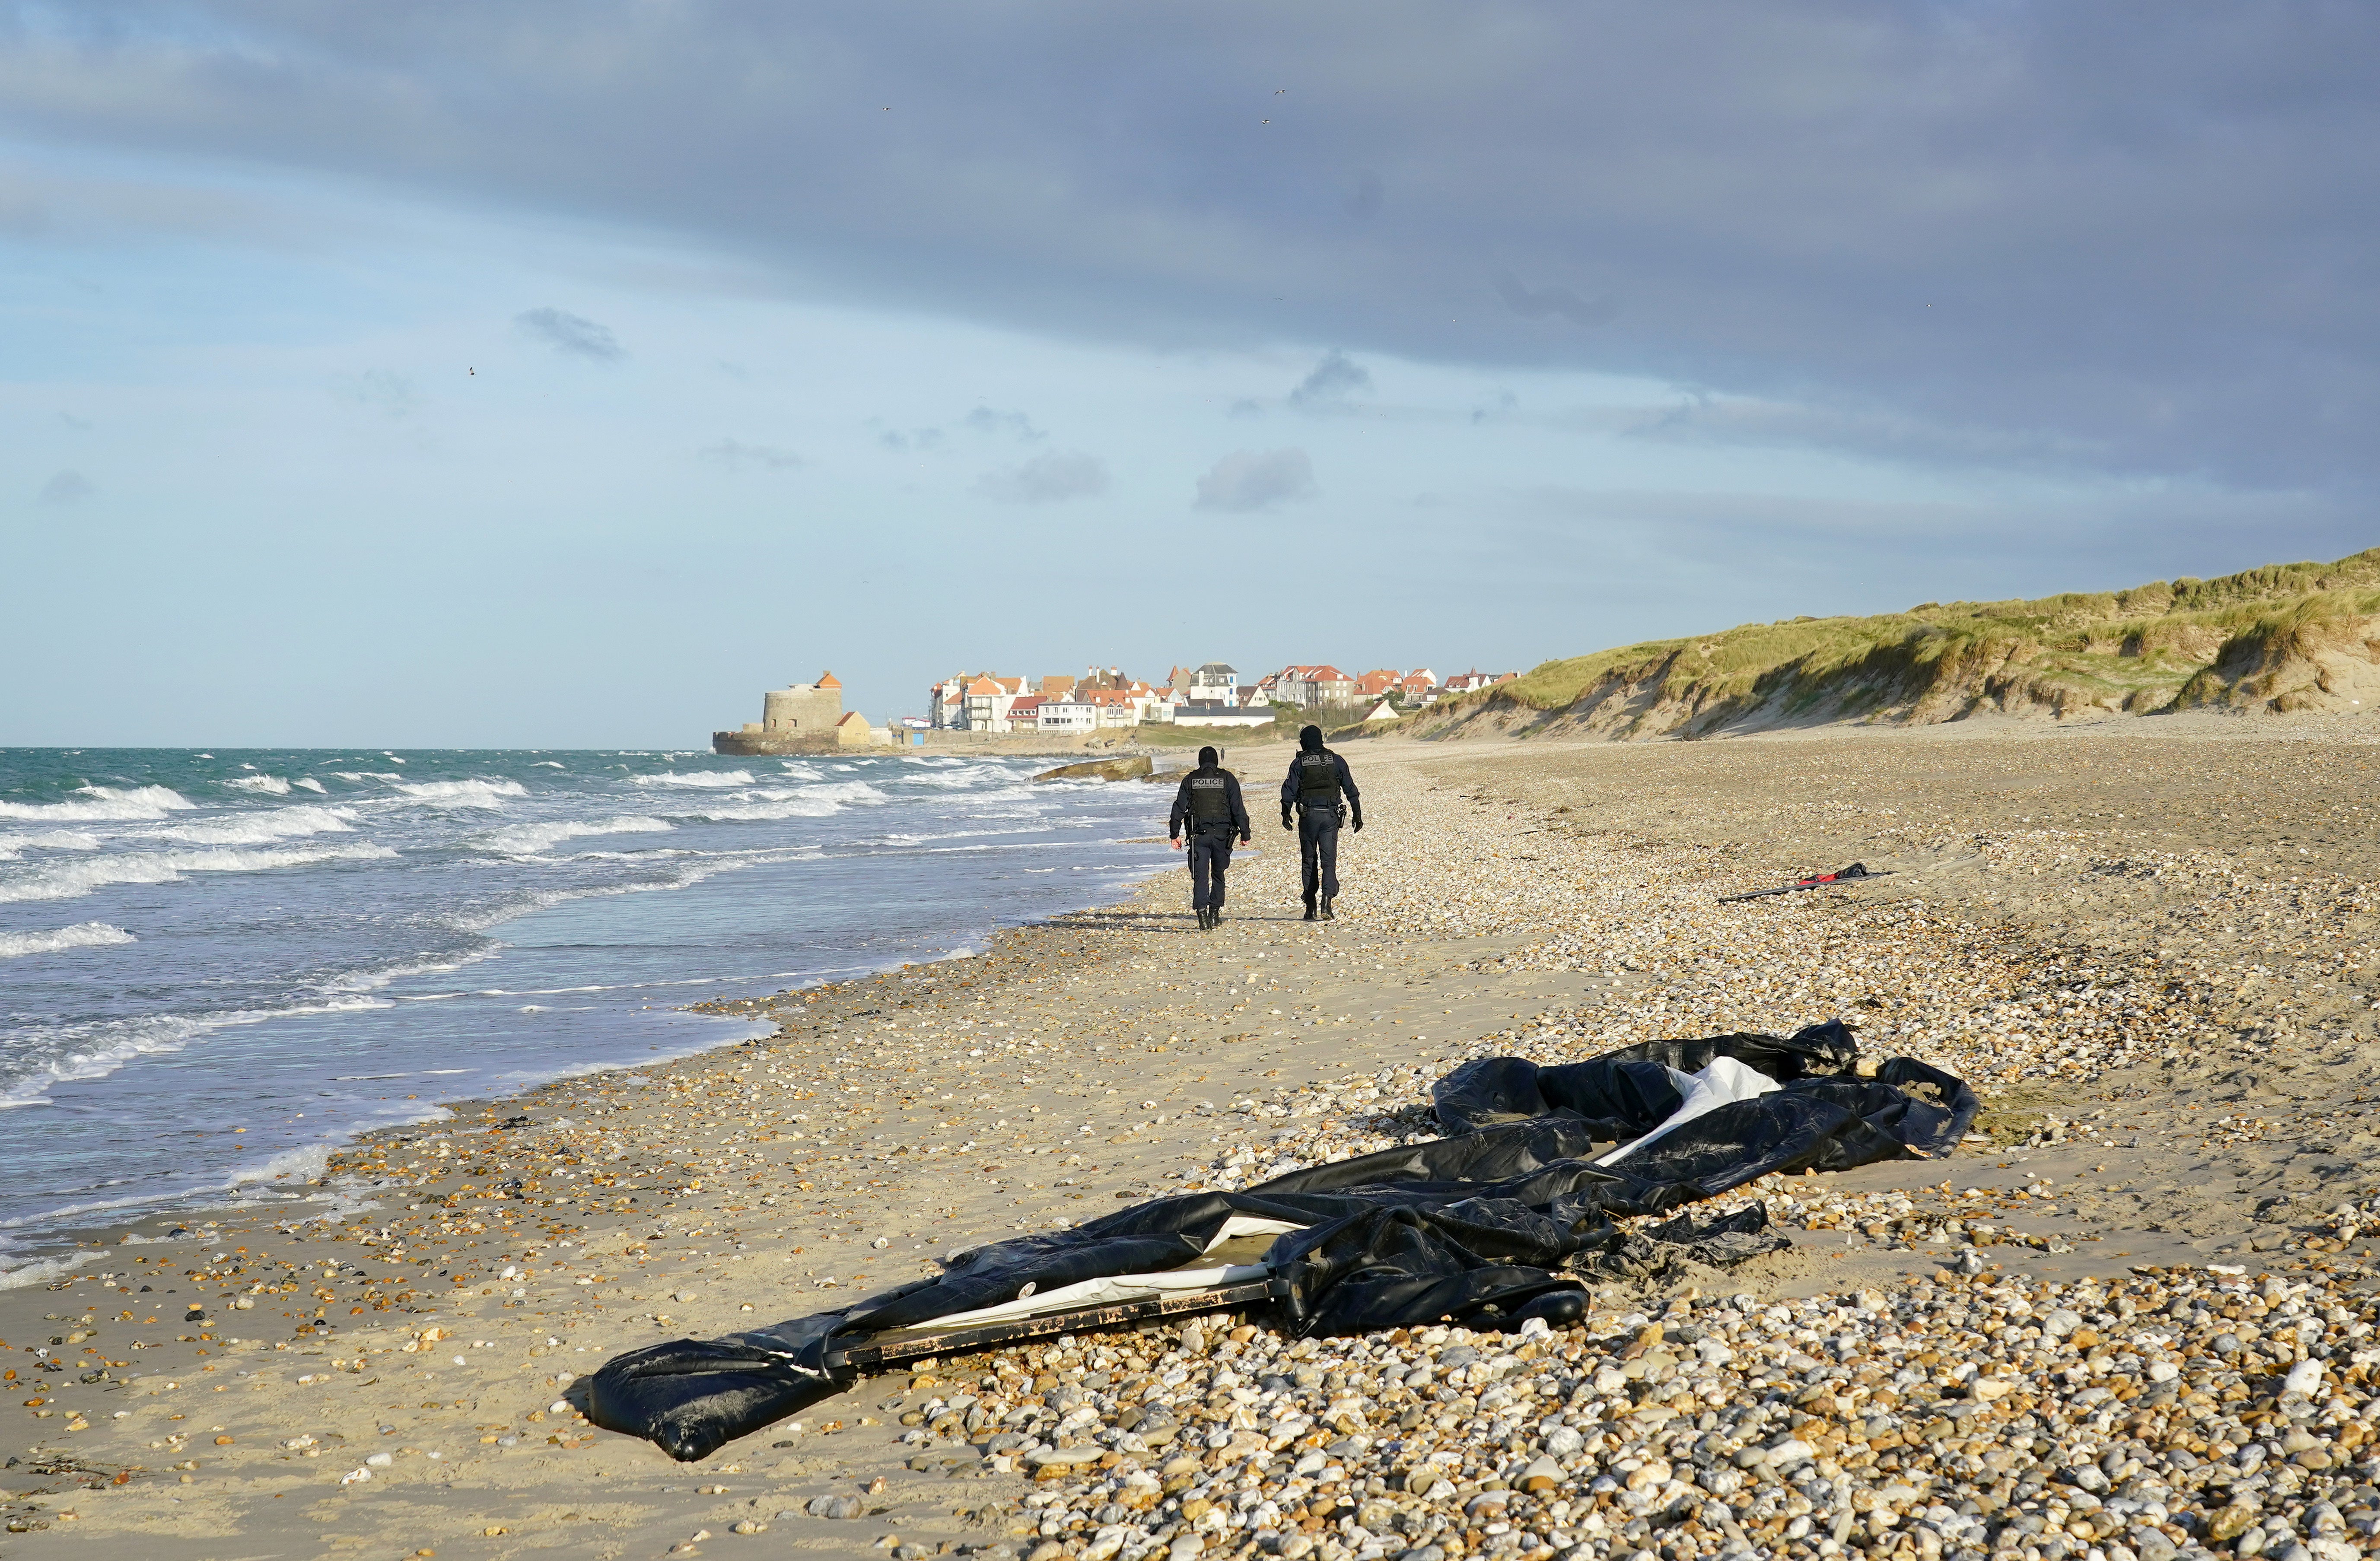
[1214, 917]
[1326, 909]
[1203, 918]
[1309, 909]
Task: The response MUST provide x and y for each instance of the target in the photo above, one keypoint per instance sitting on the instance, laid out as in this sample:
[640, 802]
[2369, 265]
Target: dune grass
[2147, 648]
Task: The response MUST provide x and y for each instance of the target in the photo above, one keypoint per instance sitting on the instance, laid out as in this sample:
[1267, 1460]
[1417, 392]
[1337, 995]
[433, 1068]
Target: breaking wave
[49, 839]
[271, 785]
[465, 793]
[533, 839]
[70, 880]
[82, 934]
[702, 778]
[264, 828]
[107, 802]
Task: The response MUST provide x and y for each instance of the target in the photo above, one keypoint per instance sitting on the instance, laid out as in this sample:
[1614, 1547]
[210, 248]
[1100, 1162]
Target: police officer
[1322, 793]
[1209, 800]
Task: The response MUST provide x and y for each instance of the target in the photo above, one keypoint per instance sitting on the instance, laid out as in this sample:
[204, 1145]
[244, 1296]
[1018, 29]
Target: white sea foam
[42, 1271]
[82, 934]
[360, 776]
[299, 1164]
[264, 828]
[700, 778]
[14, 846]
[68, 1054]
[105, 802]
[70, 880]
[465, 793]
[533, 840]
[777, 805]
[272, 785]
[307, 783]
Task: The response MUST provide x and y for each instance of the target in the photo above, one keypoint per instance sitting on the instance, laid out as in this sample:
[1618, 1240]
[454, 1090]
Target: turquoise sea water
[300, 944]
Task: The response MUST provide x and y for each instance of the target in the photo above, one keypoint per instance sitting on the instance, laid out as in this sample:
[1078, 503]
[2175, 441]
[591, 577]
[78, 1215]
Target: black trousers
[1210, 858]
[1318, 849]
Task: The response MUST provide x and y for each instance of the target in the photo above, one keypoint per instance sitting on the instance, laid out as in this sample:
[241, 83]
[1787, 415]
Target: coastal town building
[802, 717]
[1067, 715]
[802, 709]
[1104, 696]
[1214, 681]
[1464, 682]
[985, 706]
[1314, 687]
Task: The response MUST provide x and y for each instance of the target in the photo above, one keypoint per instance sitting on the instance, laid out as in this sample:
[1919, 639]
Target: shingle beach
[2132, 1318]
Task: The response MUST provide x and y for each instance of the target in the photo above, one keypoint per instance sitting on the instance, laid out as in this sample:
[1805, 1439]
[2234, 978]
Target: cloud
[1048, 479]
[1015, 425]
[67, 487]
[1546, 302]
[1254, 479]
[2147, 229]
[1334, 379]
[735, 455]
[573, 336]
[910, 439]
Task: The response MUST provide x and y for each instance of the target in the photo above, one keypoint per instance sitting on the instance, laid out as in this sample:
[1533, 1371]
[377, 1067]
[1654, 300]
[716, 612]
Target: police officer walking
[1322, 792]
[1209, 800]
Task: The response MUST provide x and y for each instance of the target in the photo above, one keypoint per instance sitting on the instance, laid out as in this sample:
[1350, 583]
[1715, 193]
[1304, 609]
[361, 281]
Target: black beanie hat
[1209, 755]
[1310, 739]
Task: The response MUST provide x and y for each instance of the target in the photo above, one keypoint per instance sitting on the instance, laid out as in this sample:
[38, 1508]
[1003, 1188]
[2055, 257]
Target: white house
[1068, 714]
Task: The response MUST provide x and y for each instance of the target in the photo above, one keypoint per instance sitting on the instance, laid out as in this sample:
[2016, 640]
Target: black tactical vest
[1210, 799]
[1317, 778]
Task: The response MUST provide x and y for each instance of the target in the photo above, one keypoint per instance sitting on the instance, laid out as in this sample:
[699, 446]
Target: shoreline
[1562, 903]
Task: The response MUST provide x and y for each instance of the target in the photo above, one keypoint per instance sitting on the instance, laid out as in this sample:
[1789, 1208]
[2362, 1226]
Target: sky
[559, 374]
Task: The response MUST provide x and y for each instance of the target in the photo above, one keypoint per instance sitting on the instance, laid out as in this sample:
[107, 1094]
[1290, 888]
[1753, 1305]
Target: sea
[216, 966]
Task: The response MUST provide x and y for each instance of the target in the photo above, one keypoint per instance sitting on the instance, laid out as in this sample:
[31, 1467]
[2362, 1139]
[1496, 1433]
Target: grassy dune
[2285, 637]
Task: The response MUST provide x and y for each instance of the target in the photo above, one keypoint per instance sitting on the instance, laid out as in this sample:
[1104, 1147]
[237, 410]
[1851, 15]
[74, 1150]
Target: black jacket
[1182, 801]
[1346, 785]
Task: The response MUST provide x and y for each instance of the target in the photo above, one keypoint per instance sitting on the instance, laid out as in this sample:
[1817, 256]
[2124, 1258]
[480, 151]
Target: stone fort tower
[805, 709]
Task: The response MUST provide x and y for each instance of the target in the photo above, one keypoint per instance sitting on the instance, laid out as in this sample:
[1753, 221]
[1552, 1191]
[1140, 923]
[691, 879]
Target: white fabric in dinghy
[1114, 1289]
[1724, 1081]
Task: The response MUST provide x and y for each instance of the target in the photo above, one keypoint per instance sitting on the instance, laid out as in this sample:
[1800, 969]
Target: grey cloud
[735, 455]
[910, 439]
[1876, 432]
[1014, 425]
[1048, 479]
[573, 336]
[1547, 302]
[80, 425]
[1255, 480]
[67, 487]
[2146, 227]
[1334, 379]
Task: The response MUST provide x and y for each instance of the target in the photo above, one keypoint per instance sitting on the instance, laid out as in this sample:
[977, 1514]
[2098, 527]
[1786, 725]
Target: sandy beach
[2146, 942]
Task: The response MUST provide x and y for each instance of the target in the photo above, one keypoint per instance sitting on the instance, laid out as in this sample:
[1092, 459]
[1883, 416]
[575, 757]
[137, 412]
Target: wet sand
[2169, 1014]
